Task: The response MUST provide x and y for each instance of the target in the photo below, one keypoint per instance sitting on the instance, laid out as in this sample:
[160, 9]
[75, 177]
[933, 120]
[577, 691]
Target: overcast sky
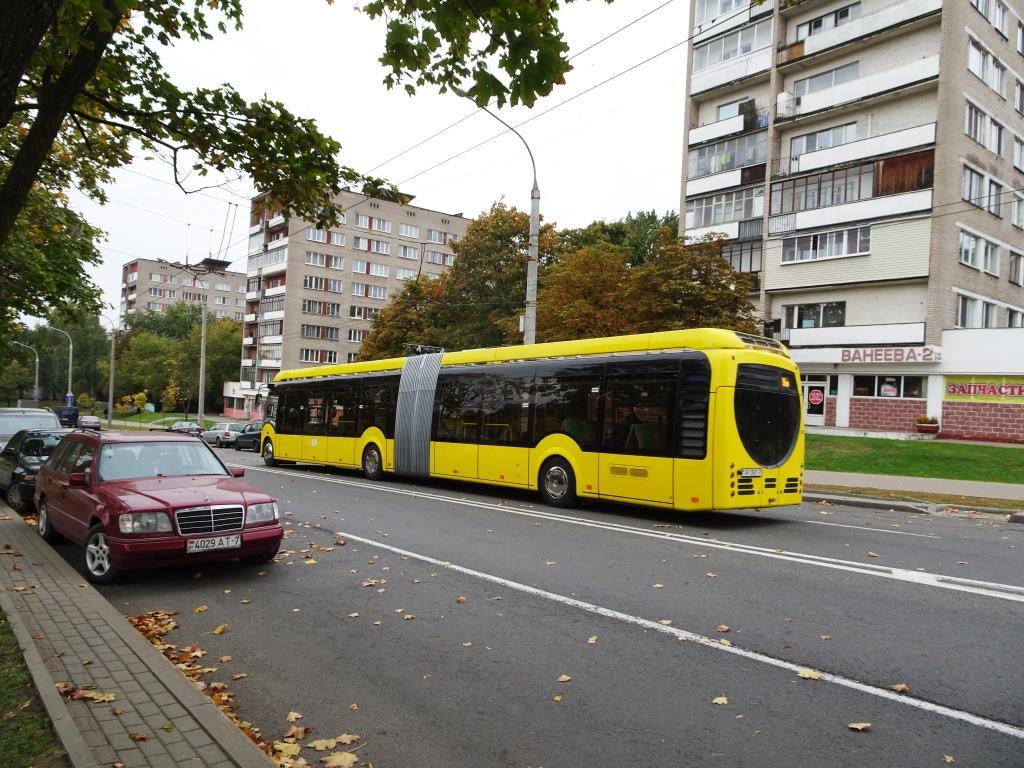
[613, 150]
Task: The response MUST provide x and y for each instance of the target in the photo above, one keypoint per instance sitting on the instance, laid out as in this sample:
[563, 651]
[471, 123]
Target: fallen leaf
[377, 623]
[293, 717]
[138, 736]
[202, 608]
[93, 696]
[352, 616]
[872, 554]
[666, 622]
[408, 617]
[657, 586]
[223, 659]
[116, 712]
[961, 562]
[322, 745]
[296, 732]
[239, 675]
[340, 760]
[244, 600]
[557, 697]
[808, 674]
[467, 644]
[87, 662]
[460, 599]
[722, 627]
[592, 640]
[353, 707]
[348, 738]
[825, 637]
[286, 749]
[900, 688]
[564, 678]
[720, 700]
[167, 727]
[227, 591]
[309, 561]
[220, 629]
[948, 759]
[711, 575]
[723, 641]
[550, 562]
[859, 726]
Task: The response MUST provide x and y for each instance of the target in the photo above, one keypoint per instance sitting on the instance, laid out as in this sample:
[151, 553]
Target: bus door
[341, 425]
[636, 437]
[291, 416]
[456, 430]
[504, 455]
[314, 433]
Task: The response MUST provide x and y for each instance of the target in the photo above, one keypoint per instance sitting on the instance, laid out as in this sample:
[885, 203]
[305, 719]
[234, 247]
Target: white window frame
[408, 230]
[314, 259]
[377, 292]
[337, 238]
[378, 270]
[362, 221]
[316, 235]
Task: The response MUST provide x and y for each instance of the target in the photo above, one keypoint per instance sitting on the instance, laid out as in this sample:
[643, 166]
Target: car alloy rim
[14, 496]
[556, 482]
[97, 555]
[43, 521]
[372, 461]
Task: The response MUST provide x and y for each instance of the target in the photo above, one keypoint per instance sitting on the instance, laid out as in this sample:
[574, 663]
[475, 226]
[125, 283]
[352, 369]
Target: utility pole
[35, 387]
[110, 385]
[197, 271]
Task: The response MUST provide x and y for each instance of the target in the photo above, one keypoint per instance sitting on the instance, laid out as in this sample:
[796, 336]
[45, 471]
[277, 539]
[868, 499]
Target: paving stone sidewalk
[69, 633]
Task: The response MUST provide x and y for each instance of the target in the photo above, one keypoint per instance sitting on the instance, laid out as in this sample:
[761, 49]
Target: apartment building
[865, 160]
[152, 285]
[311, 294]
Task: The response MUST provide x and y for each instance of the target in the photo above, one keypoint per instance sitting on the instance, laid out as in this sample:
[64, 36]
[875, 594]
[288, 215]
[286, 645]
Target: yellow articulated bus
[690, 420]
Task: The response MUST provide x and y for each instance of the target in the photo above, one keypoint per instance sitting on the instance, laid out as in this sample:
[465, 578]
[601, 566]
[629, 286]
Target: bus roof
[696, 338]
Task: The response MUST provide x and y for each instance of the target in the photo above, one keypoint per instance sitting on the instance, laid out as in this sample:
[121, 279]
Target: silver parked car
[223, 433]
[16, 419]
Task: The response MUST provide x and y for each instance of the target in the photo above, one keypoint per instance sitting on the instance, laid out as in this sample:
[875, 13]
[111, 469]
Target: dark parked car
[68, 415]
[20, 462]
[184, 427]
[14, 420]
[249, 437]
[134, 501]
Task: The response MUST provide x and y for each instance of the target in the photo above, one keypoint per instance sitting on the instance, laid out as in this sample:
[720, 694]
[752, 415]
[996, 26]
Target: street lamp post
[35, 387]
[71, 357]
[110, 386]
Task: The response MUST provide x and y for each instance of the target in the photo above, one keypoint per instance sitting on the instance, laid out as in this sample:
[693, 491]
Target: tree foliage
[412, 317]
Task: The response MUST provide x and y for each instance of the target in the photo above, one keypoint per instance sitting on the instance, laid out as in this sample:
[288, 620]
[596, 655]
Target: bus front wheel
[268, 454]
[558, 483]
[373, 466]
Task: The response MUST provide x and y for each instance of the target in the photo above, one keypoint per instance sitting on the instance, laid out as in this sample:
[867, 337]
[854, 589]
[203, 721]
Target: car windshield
[15, 422]
[130, 461]
[40, 445]
[235, 427]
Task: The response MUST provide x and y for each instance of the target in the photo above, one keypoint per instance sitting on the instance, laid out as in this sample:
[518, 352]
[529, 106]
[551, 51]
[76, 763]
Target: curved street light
[71, 357]
[110, 388]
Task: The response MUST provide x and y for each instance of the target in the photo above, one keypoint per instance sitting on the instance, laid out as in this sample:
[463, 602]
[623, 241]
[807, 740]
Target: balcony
[248, 341]
[253, 295]
[277, 242]
[255, 229]
[731, 71]
[268, 363]
[845, 213]
[247, 362]
[271, 339]
[277, 221]
[748, 120]
[893, 79]
[274, 269]
[858, 335]
[751, 229]
[250, 318]
[274, 314]
[891, 16]
[276, 291]
[718, 24]
[254, 249]
[729, 230]
[875, 146]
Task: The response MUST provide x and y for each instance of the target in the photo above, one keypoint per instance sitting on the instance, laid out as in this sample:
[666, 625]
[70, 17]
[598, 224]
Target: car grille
[209, 519]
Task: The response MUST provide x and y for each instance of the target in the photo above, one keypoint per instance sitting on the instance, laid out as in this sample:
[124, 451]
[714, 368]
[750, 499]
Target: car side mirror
[76, 479]
[238, 471]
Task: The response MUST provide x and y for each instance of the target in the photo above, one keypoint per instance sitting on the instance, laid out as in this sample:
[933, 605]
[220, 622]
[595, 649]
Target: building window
[404, 274]
[1014, 318]
[310, 307]
[351, 357]
[827, 245]
[998, 77]
[379, 246]
[379, 270]
[725, 207]
[332, 309]
[408, 230]
[316, 235]
[974, 187]
[743, 257]
[1018, 153]
[309, 331]
[269, 328]
[360, 243]
[830, 314]
[382, 225]
[995, 137]
[844, 185]
[435, 257]
[999, 17]
[828, 79]
[356, 334]
[435, 236]
[829, 137]
[359, 289]
[995, 198]
[315, 259]
[337, 238]
[309, 355]
[990, 257]
[976, 124]
[377, 292]
[313, 283]
[977, 59]
[336, 262]
[408, 252]
[730, 46]
[271, 304]
[828, 21]
[360, 267]
[270, 352]
[711, 9]
[728, 154]
[966, 312]
[968, 249]
[222, 286]
[732, 108]
[1017, 211]
[988, 315]
[362, 221]
[915, 387]
[335, 286]
[979, 253]
[1018, 97]
[221, 300]
[1016, 268]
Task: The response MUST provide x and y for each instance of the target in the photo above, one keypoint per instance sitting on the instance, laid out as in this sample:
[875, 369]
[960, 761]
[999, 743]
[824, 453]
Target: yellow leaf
[296, 732]
[353, 706]
[859, 726]
[352, 616]
[244, 601]
[223, 659]
[220, 630]
[722, 627]
[723, 641]
[167, 727]
[202, 608]
[340, 760]
[467, 644]
[948, 759]
[711, 574]
[286, 749]
[94, 696]
[460, 599]
[239, 675]
[293, 717]
[900, 688]
[720, 700]
[666, 622]
[348, 738]
[322, 745]
[658, 585]
[809, 674]
[557, 697]
[408, 617]
[309, 561]
[825, 637]
[564, 678]
[872, 554]
[592, 640]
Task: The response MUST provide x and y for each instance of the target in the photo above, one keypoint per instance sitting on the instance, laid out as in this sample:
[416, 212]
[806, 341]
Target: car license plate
[214, 542]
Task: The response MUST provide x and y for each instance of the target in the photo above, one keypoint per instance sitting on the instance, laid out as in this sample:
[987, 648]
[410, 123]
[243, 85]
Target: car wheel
[558, 483]
[44, 526]
[268, 454]
[261, 559]
[96, 562]
[237, 446]
[16, 498]
[217, 442]
[373, 466]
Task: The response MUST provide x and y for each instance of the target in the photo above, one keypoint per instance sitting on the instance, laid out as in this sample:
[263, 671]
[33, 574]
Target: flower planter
[927, 429]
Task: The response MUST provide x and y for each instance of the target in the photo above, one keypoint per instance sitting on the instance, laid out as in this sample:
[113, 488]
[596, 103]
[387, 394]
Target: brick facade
[894, 415]
[996, 422]
[830, 411]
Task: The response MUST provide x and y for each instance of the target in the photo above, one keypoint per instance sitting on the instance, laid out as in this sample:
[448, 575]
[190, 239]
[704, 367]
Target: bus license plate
[214, 542]
[750, 473]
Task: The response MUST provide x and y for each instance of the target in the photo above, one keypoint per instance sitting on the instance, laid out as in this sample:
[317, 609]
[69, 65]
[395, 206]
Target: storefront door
[814, 389]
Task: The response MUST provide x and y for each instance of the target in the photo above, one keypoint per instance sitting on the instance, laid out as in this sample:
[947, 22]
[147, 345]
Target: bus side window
[316, 412]
[505, 411]
[457, 408]
[638, 416]
[342, 419]
[291, 409]
[568, 405]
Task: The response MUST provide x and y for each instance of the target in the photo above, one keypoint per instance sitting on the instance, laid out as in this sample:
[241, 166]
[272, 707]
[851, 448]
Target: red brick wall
[830, 411]
[895, 414]
[1002, 422]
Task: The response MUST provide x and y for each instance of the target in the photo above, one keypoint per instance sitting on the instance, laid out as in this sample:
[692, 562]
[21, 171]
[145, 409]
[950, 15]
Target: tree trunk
[25, 23]
[55, 101]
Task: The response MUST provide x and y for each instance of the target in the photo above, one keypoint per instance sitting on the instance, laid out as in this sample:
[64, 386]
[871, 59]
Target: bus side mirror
[258, 399]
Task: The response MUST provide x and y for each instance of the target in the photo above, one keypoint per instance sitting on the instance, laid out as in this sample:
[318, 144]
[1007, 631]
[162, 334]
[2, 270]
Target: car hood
[182, 492]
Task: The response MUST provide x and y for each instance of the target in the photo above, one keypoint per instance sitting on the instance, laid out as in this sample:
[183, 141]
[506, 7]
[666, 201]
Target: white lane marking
[988, 589]
[682, 634]
[874, 530]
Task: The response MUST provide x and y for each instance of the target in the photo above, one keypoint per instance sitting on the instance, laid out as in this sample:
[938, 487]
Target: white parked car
[223, 433]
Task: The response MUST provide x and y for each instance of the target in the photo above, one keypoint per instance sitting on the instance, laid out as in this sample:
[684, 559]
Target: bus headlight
[144, 522]
[261, 513]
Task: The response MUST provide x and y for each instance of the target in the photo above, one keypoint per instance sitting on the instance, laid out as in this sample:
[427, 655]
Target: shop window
[915, 387]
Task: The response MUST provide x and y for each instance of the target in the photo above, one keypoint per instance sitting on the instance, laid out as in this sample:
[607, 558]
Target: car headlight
[144, 522]
[29, 478]
[261, 513]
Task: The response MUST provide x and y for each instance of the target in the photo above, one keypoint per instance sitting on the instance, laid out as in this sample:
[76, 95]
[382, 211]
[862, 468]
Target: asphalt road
[439, 631]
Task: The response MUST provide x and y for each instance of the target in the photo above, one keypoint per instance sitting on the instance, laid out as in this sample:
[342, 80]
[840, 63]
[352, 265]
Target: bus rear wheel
[373, 467]
[268, 454]
[558, 483]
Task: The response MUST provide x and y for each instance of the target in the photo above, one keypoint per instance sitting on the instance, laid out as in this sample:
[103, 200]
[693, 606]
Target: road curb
[1016, 517]
[875, 502]
[56, 708]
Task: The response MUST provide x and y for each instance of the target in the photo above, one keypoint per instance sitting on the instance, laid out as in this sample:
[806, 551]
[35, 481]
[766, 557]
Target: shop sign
[890, 355]
[985, 389]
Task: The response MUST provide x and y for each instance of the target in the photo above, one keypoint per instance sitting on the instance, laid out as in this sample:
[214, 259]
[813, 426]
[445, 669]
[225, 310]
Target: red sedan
[134, 501]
